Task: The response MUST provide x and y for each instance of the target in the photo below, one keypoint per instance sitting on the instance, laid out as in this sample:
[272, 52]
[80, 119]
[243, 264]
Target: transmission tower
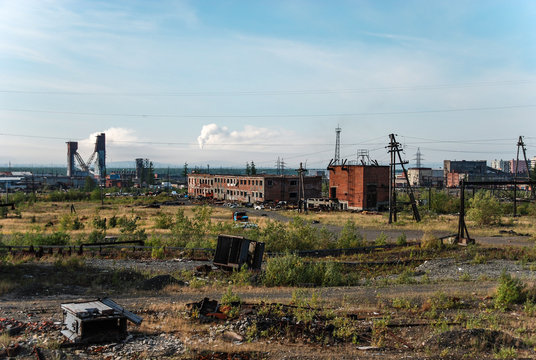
[337, 158]
[418, 158]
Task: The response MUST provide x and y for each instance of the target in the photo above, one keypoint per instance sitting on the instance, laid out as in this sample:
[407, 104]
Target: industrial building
[253, 188]
[359, 187]
[456, 171]
[99, 153]
[423, 176]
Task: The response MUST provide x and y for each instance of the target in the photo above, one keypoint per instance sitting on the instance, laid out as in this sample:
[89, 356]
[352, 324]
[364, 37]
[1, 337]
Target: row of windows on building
[228, 181]
[254, 194]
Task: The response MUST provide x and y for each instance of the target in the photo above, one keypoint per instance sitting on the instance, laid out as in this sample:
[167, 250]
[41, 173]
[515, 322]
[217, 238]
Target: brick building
[359, 186]
[252, 188]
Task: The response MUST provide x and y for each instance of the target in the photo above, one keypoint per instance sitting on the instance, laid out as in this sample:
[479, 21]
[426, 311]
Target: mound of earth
[159, 282]
[473, 339]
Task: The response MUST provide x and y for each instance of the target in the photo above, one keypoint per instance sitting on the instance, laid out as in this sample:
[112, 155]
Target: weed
[241, 277]
[479, 259]
[401, 240]
[163, 221]
[344, 329]
[465, 276]
[349, 236]
[529, 307]
[379, 331]
[5, 340]
[509, 292]
[506, 353]
[402, 303]
[406, 277]
[430, 241]
[381, 239]
[230, 303]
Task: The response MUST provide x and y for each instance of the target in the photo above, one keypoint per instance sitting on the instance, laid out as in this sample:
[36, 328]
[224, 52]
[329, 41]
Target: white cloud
[213, 134]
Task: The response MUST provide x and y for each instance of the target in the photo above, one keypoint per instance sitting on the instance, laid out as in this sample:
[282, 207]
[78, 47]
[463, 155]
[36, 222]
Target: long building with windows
[253, 188]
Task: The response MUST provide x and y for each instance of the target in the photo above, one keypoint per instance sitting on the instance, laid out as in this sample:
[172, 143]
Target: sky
[223, 82]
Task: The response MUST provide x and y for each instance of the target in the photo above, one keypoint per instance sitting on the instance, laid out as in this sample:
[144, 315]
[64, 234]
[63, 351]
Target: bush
[291, 270]
[71, 222]
[96, 236]
[381, 239]
[510, 291]
[484, 209]
[349, 236]
[99, 223]
[430, 241]
[401, 239]
[443, 203]
[163, 221]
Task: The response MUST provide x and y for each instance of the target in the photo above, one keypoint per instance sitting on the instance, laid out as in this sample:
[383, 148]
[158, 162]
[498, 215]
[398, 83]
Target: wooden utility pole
[302, 202]
[394, 147]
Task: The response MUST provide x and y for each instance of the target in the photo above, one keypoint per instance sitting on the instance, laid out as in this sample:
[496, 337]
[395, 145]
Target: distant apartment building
[502, 165]
[359, 187]
[518, 166]
[253, 188]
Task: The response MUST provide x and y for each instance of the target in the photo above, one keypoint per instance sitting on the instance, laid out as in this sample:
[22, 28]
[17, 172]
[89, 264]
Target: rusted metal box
[234, 251]
[94, 321]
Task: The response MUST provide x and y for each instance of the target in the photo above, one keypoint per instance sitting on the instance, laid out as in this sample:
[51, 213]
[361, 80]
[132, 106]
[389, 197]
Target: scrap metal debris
[98, 320]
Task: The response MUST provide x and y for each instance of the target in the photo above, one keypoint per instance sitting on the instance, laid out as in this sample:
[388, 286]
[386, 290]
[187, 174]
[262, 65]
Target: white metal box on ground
[94, 321]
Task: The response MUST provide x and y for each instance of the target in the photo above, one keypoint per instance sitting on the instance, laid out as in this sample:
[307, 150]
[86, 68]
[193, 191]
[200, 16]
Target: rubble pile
[139, 347]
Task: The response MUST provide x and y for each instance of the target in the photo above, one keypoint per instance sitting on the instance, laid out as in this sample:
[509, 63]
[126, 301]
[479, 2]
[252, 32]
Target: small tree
[253, 169]
[248, 169]
[484, 209]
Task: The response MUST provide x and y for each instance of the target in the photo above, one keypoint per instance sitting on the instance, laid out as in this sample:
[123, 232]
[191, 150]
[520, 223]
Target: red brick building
[252, 188]
[359, 187]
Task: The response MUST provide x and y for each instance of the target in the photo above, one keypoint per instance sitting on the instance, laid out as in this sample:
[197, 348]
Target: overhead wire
[273, 92]
[242, 116]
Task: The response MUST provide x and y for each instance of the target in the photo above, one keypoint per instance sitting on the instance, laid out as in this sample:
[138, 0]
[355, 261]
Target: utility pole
[394, 147]
[302, 202]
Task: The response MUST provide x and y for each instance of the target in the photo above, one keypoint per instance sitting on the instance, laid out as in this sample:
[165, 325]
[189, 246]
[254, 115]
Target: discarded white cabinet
[94, 321]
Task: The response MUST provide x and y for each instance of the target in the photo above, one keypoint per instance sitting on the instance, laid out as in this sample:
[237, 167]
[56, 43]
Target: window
[260, 182]
[293, 182]
[260, 195]
[269, 182]
[293, 195]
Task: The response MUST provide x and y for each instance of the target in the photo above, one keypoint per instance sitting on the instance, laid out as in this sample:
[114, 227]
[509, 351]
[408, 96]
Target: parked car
[259, 207]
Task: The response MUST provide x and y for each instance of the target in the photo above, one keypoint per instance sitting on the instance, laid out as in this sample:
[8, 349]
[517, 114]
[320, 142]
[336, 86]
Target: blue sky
[225, 82]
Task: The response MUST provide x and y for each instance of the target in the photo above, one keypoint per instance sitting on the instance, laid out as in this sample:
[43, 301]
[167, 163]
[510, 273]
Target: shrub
[349, 236]
[484, 209]
[163, 221]
[401, 239]
[99, 223]
[381, 239]
[71, 222]
[291, 270]
[430, 241]
[96, 236]
[510, 291]
[113, 222]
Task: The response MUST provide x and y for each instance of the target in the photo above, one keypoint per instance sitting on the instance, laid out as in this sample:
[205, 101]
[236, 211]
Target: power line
[429, 111]
[275, 92]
